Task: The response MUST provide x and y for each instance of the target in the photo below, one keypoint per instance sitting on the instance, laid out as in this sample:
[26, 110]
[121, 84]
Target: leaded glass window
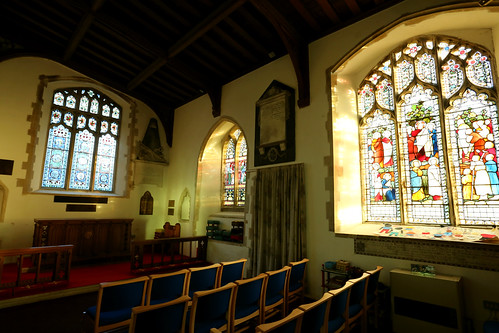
[81, 145]
[234, 170]
[430, 159]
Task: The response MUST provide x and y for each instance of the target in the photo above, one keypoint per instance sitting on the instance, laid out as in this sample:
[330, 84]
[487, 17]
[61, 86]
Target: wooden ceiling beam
[300, 8]
[81, 29]
[329, 11]
[353, 6]
[199, 30]
[296, 46]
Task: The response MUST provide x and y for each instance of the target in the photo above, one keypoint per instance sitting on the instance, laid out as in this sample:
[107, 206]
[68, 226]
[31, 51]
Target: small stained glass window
[81, 150]
[234, 170]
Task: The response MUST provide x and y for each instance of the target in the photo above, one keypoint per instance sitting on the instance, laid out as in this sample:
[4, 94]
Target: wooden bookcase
[92, 238]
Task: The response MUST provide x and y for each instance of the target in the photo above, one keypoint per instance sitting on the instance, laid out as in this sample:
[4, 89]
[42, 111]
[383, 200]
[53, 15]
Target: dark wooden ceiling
[169, 52]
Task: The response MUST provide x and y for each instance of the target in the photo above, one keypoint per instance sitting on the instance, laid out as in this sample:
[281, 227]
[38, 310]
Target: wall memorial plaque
[275, 125]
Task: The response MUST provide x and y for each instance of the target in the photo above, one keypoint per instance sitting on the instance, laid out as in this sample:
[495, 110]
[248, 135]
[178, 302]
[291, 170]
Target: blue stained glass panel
[82, 161]
[56, 157]
[56, 117]
[104, 169]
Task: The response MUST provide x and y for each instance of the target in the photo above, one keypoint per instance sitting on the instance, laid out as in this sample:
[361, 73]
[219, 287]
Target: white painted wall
[18, 86]
[313, 144]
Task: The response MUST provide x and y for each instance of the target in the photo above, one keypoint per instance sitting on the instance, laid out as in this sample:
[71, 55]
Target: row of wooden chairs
[233, 307]
[255, 298]
[115, 300]
[338, 310]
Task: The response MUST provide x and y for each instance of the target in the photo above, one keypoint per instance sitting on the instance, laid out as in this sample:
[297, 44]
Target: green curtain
[278, 218]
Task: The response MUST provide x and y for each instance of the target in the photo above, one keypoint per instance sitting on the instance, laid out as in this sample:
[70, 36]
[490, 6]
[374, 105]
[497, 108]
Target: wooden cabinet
[92, 238]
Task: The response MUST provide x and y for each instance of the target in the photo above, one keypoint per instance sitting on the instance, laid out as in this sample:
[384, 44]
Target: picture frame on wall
[275, 125]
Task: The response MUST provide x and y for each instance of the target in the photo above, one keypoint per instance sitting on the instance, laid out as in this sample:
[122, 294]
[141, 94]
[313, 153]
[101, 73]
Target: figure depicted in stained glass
[481, 180]
[387, 149]
[434, 181]
[491, 167]
[387, 185]
[467, 182]
[417, 181]
[377, 149]
[376, 182]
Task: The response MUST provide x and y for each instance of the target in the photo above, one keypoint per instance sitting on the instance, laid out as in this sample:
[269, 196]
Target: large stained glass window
[428, 131]
[82, 141]
[234, 170]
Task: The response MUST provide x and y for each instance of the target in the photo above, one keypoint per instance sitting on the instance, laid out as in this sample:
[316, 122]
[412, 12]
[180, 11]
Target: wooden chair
[296, 285]
[248, 302]
[115, 301]
[169, 317]
[357, 301]
[338, 309]
[212, 309]
[372, 294]
[290, 323]
[275, 293]
[167, 287]
[230, 271]
[316, 314]
[202, 278]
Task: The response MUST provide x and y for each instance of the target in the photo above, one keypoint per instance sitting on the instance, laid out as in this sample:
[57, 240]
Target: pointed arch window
[428, 132]
[234, 170]
[82, 141]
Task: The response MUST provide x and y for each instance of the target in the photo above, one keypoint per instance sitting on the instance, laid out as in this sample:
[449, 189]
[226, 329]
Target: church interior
[355, 137]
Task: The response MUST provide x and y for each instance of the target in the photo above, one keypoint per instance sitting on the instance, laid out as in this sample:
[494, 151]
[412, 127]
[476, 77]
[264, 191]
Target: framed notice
[275, 125]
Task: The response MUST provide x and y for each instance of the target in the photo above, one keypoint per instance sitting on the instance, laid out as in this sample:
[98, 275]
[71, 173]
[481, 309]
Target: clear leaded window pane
[404, 74]
[72, 143]
[452, 78]
[366, 99]
[426, 69]
[479, 71]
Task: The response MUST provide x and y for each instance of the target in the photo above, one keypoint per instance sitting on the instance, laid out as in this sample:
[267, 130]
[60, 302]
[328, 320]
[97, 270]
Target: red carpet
[81, 276]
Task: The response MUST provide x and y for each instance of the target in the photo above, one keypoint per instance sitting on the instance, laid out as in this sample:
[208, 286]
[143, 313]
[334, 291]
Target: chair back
[115, 301]
[276, 290]
[297, 275]
[357, 302]
[248, 300]
[338, 310]
[316, 314]
[169, 317]
[230, 271]
[372, 284]
[292, 323]
[167, 287]
[212, 308]
[202, 278]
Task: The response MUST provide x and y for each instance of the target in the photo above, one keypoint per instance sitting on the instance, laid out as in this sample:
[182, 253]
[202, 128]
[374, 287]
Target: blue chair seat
[110, 317]
[354, 309]
[243, 311]
[491, 326]
[335, 323]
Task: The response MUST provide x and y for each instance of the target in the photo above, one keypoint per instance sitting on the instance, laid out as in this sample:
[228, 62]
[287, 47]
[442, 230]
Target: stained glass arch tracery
[430, 159]
[82, 143]
[234, 162]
